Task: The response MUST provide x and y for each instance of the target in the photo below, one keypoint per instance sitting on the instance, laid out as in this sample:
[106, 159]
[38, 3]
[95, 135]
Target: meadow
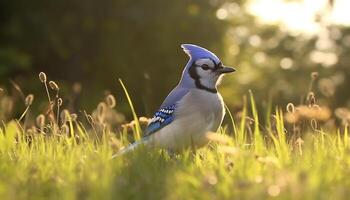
[284, 152]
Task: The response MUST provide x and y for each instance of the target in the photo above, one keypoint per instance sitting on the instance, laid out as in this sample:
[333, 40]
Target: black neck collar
[202, 87]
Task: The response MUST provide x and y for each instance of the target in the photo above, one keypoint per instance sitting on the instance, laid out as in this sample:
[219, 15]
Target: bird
[192, 109]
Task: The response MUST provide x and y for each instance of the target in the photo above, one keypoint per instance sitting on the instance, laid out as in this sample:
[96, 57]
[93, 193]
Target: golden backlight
[301, 15]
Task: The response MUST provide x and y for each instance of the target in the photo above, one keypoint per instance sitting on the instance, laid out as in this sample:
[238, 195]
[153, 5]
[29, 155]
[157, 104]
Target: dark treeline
[95, 43]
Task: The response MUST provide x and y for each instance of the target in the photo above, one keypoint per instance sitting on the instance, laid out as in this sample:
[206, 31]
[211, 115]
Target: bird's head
[204, 68]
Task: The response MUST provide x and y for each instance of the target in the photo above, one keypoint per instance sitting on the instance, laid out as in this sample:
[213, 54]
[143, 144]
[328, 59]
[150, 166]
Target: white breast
[196, 114]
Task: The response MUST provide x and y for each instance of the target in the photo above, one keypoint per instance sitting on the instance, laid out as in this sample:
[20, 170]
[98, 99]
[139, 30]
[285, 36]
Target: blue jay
[192, 109]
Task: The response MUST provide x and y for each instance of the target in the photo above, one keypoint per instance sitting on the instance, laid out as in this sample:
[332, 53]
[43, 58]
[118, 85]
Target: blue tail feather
[131, 147]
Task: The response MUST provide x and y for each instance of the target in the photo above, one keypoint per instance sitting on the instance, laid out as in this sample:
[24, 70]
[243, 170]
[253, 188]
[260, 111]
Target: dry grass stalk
[74, 117]
[311, 99]
[308, 112]
[290, 108]
[65, 116]
[40, 120]
[59, 104]
[110, 100]
[343, 114]
[314, 75]
[101, 111]
[64, 129]
[59, 101]
[42, 77]
[29, 100]
[54, 85]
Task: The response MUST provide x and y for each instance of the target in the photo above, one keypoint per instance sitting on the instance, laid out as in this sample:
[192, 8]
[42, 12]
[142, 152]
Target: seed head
[30, 131]
[77, 88]
[274, 190]
[343, 114]
[311, 99]
[42, 77]
[54, 85]
[314, 75]
[308, 112]
[290, 108]
[314, 124]
[65, 116]
[52, 118]
[299, 141]
[211, 179]
[74, 117]
[64, 129]
[40, 120]
[90, 119]
[29, 100]
[60, 101]
[101, 108]
[110, 100]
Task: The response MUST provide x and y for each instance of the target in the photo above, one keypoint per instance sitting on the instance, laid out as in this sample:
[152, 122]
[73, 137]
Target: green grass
[57, 168]
[254, 162]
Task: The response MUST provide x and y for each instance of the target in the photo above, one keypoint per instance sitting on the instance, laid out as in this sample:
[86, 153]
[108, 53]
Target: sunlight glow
[221, 13]
[300, 16]
[341, 14]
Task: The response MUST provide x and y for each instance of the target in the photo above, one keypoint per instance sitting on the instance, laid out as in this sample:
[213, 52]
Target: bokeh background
[85, 46]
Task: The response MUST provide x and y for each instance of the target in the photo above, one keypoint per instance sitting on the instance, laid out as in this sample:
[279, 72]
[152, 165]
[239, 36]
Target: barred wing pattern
[160, 119]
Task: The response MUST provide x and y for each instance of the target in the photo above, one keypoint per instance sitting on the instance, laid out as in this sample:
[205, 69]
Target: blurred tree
[275, 62]
[139, 41]
[97, 42]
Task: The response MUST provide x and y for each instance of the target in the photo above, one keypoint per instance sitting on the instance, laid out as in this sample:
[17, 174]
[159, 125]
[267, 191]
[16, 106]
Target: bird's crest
[196, 52]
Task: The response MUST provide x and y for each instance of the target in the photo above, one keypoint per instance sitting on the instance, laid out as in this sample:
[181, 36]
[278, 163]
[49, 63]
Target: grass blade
[137, 124]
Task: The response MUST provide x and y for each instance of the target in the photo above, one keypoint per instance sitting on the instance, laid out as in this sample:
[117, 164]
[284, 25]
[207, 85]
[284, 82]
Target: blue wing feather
[160, 119]
[166, 114]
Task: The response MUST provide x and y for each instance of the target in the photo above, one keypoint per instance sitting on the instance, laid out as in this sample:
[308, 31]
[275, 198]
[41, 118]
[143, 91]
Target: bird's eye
[205, 67]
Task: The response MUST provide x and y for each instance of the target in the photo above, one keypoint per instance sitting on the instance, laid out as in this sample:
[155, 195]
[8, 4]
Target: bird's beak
[225, 70]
